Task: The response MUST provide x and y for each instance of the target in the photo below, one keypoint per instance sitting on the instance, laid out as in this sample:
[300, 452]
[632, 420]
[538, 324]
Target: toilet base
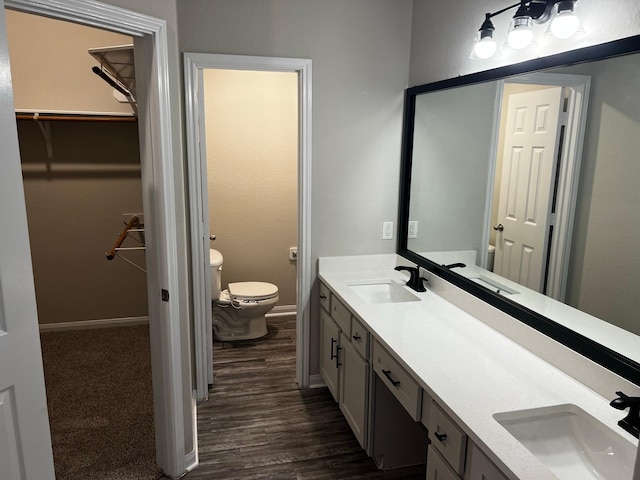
[228, 327]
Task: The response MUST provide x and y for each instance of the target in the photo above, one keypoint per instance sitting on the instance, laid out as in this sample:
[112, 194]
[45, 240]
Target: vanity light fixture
[563, 23]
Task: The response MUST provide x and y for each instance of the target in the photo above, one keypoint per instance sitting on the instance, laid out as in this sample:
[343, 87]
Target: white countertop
[468, 368]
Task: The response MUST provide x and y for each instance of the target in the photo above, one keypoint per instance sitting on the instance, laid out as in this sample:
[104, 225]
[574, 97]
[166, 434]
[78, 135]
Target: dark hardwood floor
[257, 424]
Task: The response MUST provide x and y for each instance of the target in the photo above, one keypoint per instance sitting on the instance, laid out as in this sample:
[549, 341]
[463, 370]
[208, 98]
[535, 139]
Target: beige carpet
[100, 403]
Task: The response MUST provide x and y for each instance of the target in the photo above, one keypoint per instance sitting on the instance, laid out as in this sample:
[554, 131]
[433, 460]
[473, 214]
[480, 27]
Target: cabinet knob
[323, 296]
[440, 436]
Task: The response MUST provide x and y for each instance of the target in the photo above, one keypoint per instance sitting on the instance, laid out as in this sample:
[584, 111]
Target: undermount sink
[571, 443]
[384, 291]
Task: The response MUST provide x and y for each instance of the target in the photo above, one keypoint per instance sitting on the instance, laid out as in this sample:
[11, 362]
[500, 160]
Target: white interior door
[529, 162]
[25, 440]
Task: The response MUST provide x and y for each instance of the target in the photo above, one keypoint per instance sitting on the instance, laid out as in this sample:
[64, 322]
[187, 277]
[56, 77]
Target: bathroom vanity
[492, 409]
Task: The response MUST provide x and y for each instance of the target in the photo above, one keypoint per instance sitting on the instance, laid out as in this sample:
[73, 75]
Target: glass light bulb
[564, 24]
[520, 32]
[485, 47]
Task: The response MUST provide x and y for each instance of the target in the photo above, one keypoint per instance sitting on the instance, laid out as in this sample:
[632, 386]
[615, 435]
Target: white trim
[93, 324]
[568, 177]
[158, 198]
[194, 64]
[316, 381]
[282, 311]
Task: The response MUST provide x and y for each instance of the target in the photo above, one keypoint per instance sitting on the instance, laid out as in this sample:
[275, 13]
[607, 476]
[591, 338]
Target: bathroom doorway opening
[251, 134]
[248, 130]
[562, 184]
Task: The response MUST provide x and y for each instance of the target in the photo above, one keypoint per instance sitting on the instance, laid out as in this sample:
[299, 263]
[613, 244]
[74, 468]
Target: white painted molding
[316, 381]
[93, 324]
[282, 311]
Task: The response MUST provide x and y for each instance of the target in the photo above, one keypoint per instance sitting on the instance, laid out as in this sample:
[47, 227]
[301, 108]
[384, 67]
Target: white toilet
[491, 254]
[239, 311]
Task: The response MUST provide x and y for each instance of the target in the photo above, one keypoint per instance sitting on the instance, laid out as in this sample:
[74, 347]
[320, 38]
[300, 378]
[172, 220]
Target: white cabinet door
[25, 441]
[354, 380]
[438, 468]
[480, 467]
[329, 350]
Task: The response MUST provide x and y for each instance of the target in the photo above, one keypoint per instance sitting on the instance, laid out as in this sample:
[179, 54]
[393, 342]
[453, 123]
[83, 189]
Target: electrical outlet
[387, 230]
[413, 229]
[293, 253]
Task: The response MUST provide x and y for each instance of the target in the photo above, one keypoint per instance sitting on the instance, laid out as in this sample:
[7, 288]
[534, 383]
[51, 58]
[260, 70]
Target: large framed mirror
[521, 185]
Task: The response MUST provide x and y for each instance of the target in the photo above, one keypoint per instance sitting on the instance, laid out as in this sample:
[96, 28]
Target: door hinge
[165, 295]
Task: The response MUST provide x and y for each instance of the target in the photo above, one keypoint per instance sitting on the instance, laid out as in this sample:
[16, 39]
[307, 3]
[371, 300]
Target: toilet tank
[215, 263]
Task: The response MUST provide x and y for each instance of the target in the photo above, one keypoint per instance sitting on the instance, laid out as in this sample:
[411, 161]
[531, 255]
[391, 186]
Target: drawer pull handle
[357, 337]
[338, 364]
[387, 373]
[440, 436]
[323, 296]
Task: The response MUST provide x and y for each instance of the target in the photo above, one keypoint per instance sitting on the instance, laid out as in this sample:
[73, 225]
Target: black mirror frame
[585, 346]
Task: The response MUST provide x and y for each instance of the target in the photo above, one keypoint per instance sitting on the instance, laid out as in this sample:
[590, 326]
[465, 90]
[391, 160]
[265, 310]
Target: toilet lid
[252, 290]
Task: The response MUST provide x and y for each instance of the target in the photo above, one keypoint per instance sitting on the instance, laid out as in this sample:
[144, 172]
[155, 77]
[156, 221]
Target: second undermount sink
[384, 291]
[571, 443]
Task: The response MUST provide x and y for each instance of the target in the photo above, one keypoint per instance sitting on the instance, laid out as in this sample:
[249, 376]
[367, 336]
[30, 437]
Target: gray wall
[605, 261]
[360, 54]
[443, 34]
[452, 147]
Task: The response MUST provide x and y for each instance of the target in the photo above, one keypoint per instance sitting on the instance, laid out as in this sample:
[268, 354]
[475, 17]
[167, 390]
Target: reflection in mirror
[532, 182]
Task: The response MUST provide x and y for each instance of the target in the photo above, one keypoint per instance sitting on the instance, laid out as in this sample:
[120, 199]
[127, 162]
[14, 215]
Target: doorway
[562, 179]
[80, 160]
[195, 66]
[159, 145]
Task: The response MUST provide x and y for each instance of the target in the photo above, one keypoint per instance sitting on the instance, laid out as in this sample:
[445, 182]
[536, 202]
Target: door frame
[157, 148]
[194, 66]
[568, 174]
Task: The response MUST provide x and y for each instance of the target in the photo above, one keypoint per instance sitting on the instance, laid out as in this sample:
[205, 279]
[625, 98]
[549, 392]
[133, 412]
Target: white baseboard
[316, 381]
[282, 311]
[86, 324]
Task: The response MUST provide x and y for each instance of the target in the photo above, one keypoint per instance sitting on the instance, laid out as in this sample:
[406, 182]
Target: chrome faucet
[415, 280]
[631, 423]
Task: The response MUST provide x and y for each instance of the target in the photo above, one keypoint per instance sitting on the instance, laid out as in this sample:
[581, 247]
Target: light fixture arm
[538, 10]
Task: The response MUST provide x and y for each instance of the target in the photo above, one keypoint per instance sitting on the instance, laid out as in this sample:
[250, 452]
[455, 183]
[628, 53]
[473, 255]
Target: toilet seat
[252, 291]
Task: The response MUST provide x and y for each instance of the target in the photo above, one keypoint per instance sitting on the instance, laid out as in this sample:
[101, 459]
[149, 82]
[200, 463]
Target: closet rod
[123, 234]
[75, 117]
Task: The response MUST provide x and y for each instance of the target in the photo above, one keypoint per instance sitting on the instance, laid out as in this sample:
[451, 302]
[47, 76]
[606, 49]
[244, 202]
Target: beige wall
[75, 215]
[251, 122]
[76, 199]
[51, 68]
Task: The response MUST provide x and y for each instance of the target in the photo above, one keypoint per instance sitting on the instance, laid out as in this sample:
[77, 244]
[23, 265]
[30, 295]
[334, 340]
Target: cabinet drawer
[447, 437]
[401, 384]
[437, 468]
[325, 297]
[360, 338]
[340, 314]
